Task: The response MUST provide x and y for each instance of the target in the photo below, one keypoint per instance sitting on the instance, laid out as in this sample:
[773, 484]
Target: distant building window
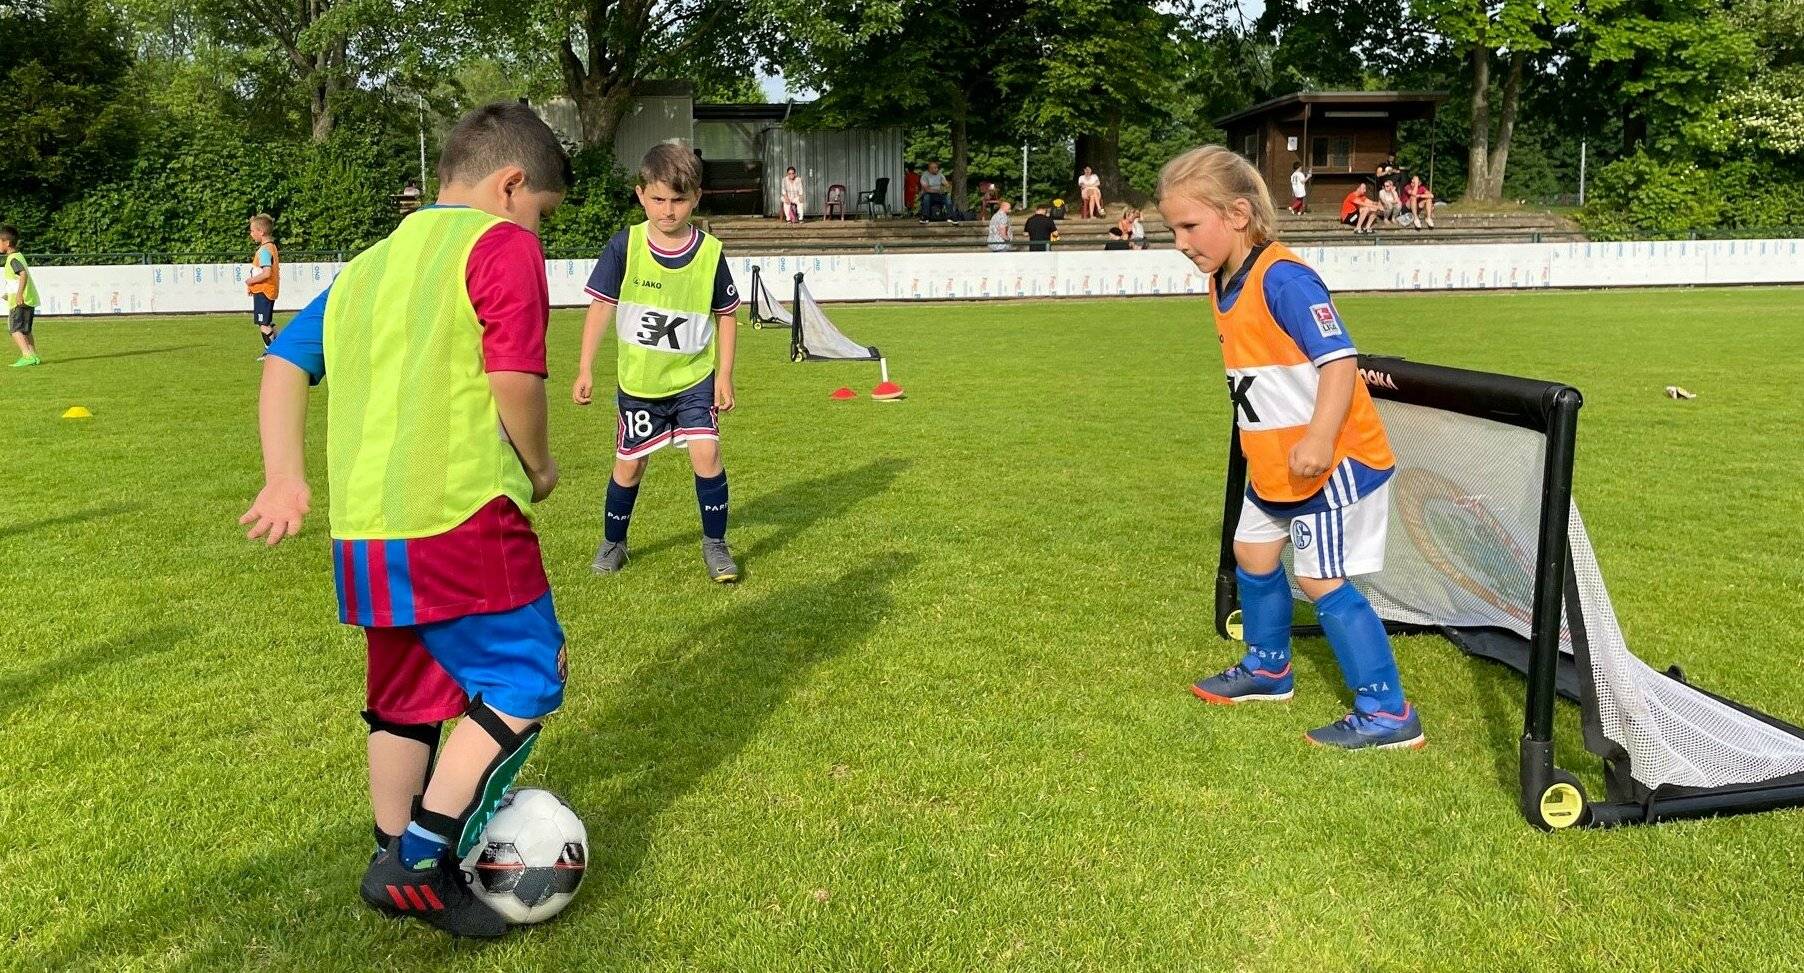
[1331, 153]
[1249, 147]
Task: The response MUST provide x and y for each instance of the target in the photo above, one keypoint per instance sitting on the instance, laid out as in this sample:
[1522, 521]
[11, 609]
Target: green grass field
[942, 725]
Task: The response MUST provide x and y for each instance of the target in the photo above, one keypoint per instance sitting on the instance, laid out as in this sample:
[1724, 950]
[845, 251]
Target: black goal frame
[1550, 797]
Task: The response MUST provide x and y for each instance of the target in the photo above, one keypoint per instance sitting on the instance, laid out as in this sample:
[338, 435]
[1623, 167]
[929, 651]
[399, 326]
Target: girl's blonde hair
[1216, 177]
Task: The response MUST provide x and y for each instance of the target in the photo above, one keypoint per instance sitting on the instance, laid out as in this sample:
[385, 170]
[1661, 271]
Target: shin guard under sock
[1363, 649]
[1265, 605]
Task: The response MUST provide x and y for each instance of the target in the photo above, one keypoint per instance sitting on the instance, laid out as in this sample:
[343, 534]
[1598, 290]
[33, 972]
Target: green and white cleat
[719, 560]
[609, 558]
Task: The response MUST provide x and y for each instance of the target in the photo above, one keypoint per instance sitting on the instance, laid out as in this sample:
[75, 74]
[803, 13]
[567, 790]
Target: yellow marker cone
[78, 412]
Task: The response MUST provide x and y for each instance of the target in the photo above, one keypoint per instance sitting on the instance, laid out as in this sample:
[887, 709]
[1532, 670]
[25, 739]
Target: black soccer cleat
[436, 893]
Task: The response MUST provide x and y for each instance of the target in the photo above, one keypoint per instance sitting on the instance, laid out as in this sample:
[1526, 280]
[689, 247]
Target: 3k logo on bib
[656, 327]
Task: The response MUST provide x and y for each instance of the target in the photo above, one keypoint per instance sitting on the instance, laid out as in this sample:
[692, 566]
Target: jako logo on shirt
[1300, 535]
[1326, 321]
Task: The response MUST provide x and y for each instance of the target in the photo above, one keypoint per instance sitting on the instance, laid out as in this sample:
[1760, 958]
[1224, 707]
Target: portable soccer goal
[765, 308]
[813, 337]
[1486, 548]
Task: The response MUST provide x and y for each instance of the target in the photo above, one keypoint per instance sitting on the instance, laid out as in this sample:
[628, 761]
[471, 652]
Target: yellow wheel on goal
[1235, 629]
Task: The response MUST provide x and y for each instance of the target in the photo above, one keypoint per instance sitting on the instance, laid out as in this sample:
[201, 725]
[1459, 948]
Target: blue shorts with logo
[648, 425]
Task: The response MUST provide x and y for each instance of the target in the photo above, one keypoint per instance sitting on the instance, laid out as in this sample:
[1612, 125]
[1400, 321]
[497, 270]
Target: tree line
[159, 125]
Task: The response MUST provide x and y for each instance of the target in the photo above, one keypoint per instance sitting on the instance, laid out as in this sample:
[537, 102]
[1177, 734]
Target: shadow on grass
[17, 690]
[73, 517]
[699, 702]
[794, 507]
[686, 711]
[122, 354]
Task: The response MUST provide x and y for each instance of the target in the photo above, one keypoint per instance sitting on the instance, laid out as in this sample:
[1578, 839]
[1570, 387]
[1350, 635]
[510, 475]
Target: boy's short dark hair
[1115, 231]
[673, 165]
[502, 134]
[10, 234]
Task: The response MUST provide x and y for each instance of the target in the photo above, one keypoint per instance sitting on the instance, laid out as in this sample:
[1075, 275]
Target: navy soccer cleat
[1375, 731]
[1238, 684]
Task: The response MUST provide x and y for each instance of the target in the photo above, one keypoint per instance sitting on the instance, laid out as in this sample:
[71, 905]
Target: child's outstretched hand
[276, 513]
[1311, 457]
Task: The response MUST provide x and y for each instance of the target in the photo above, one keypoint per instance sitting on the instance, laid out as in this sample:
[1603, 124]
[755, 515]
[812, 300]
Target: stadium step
[906, 234]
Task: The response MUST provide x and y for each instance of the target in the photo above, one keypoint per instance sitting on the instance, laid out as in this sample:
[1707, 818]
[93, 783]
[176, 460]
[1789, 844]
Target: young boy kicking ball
[1318, 462]
[436, 451]
[668, 283]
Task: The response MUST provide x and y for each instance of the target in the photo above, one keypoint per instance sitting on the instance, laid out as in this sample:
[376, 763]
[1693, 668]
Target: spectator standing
[911, 187]
[1040, 229]
[1089, 188]
[1000, 231]
[793, 194]
[1299, 188]
[934, 204]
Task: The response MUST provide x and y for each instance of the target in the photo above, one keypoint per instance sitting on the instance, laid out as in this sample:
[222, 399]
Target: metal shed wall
[853, 158]
[650, 120]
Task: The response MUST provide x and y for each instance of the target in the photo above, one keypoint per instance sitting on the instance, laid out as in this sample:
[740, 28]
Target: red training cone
[842, 394]
[886, 392]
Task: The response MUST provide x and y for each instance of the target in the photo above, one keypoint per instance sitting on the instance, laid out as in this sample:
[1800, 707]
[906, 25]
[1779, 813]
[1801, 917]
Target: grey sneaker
[719, 560]
[610, 557]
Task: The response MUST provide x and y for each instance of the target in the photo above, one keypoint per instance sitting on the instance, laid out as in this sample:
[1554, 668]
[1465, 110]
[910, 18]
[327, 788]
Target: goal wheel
[1561, 803]
[1234, 626]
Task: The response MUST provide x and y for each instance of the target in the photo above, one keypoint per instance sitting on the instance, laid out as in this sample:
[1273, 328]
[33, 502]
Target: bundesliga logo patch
[1326, 321]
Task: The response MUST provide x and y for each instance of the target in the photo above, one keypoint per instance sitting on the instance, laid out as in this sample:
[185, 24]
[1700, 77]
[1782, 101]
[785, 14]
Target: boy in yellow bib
[1318, 461]
[668, 283]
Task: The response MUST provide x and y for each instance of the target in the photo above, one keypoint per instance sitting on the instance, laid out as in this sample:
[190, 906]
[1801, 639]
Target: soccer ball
[531, 857]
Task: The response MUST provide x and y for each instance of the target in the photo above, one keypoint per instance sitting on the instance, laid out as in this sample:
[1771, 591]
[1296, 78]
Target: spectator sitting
[1089, 188]
[934, 202]
[1419, 200]
[911, 187]
[1040, 229]
[1117, 240]
[792, 196]
[1126, 221]
[1358, 210]
[1058, 209]
[1000, 231]
[408, 199]
[1390, 206]
[1299, 188]
[1137, 233]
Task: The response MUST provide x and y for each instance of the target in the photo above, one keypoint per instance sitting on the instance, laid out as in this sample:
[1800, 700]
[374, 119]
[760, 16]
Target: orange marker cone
[843, 394]
[887, 392]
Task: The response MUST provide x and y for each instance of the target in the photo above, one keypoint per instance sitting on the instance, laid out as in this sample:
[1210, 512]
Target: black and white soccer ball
[531, 858]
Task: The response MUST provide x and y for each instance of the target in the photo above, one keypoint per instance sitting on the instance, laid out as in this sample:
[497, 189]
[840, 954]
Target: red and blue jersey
[488, 563]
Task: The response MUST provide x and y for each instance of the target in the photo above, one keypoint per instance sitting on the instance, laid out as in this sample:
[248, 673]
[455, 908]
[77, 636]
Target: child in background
[1318, 461]
[265, 281]
[668, 281]
[21, 297]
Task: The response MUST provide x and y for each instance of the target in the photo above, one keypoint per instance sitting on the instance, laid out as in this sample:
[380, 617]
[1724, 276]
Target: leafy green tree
[1484, 31]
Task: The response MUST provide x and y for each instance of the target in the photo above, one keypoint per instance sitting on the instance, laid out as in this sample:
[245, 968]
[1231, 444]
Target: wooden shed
[1340, 136]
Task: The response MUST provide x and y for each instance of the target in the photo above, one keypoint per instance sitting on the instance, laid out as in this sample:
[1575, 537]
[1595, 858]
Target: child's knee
[1258, 557]
[1315, 589]
[704, 457]
[628, 472]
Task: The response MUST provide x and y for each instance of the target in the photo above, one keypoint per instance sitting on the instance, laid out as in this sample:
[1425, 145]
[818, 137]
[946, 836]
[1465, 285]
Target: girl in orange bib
[1318, 461]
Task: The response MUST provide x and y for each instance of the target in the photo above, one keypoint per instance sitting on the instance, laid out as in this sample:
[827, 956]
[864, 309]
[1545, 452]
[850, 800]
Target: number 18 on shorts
[648, 425]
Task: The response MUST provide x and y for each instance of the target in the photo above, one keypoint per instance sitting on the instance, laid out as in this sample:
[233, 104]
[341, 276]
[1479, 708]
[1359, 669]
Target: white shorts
[1338, 543]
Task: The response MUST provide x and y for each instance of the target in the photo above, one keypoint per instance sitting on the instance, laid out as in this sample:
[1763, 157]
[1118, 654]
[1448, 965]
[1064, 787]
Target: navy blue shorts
[648, 425]
[263, 311]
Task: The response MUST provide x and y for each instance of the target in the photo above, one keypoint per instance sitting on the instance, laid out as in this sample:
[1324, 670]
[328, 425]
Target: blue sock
[1363, 650]
[619, 510]
[419, 845]
[711, 497]
[1265, 604]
